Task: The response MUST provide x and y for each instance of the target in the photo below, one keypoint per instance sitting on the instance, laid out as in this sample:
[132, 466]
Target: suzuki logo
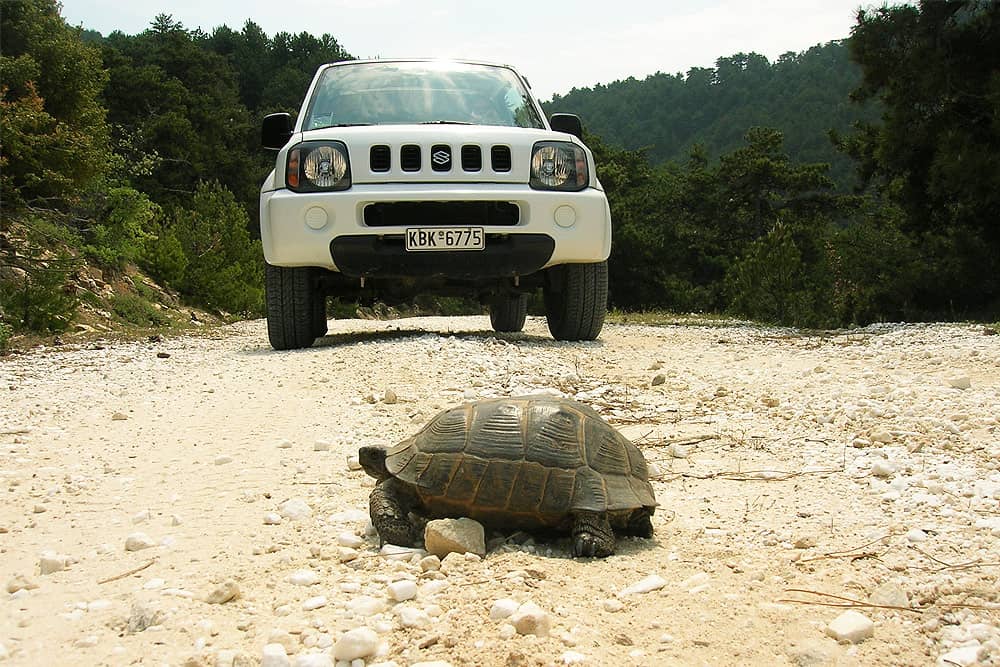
[441, 157]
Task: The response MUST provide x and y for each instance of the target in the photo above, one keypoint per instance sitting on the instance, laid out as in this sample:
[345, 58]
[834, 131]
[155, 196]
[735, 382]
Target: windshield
[419, 92]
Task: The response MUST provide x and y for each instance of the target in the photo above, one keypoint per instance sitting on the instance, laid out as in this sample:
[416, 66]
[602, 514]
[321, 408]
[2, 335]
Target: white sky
[558, 45]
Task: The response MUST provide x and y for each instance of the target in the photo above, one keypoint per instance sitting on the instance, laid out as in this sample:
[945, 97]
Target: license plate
[419, 239]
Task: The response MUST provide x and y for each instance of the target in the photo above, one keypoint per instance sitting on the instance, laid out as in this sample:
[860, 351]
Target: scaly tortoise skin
[534, 463]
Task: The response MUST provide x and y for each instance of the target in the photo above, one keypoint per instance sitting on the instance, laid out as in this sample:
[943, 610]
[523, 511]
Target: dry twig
[126, 574]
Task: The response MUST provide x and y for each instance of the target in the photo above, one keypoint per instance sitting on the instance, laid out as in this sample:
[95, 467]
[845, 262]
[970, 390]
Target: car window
[419, 92]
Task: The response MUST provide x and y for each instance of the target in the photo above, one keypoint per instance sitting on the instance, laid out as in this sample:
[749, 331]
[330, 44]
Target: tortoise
[535, 463]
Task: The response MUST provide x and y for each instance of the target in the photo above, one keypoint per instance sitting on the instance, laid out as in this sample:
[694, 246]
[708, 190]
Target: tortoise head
[372, 459]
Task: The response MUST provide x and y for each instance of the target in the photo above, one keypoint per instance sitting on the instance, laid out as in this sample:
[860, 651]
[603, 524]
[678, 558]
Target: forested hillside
[804, 95]
[140, 152]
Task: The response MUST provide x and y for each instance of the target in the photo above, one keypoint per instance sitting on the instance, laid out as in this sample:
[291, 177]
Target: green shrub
[136, 310]
[6, 331]
[39, 300]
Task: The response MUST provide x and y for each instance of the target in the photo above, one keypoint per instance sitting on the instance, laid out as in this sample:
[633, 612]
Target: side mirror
[276, 131]
[568, 123]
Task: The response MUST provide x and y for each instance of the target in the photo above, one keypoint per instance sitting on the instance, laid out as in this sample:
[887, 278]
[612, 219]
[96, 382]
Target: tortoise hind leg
[389, 508]
[592, 535]
[639, 523]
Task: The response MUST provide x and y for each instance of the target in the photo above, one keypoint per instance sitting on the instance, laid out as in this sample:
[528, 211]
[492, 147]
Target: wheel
[291, 296]
[576, 300]
[319, 315]
[508, 311]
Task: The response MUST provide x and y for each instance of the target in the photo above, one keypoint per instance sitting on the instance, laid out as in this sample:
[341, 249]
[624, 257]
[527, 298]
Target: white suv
[402, 177]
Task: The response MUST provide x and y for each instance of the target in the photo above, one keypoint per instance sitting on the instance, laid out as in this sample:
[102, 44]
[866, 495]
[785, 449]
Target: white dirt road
[793, 472]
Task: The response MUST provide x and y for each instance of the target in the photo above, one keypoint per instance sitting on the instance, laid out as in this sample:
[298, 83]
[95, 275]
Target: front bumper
[328, 229]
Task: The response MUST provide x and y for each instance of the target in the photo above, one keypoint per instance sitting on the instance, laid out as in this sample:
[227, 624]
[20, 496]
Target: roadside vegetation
[856, 182]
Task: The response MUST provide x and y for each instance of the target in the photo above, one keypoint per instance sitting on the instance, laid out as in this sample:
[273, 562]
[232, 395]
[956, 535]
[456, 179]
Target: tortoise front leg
[592, 535]
[389, 507]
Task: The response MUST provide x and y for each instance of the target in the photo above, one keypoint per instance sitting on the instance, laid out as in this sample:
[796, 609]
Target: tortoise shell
[529, 461]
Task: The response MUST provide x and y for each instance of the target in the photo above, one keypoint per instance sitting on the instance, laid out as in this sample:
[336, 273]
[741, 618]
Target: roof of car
[462, 61]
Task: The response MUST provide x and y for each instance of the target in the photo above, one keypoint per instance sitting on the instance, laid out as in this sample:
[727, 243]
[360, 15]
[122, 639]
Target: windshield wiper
[445, 122]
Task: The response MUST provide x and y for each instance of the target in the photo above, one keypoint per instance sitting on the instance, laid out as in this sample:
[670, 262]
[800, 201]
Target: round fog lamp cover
[565, 216]
[316, 218]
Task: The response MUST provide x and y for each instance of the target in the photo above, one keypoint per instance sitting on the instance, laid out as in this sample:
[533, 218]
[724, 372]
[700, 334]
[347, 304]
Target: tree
[936, 152]
[53, 129]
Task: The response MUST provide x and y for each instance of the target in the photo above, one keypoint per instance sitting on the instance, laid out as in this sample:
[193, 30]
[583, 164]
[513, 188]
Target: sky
[557, 45]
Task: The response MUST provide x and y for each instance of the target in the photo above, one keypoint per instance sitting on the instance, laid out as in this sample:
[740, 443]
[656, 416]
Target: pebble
[51, 562]
[284, 444]
[313, 660]
[20, 583]
[530, 619]
[430, 563]
[350, 540]
[389, 397]
[402, 590]
[412, 617]
[502, 609]
[965, 656]
[272, 519]
[650, 583]
[573, 658]
[961, 382]
[916, 535]
[356, 643]
[295, 509]
[322, 446]
[444, 536]
[119, 416]
[851, 627]
[612, 605]
[224, 592]
[314, 603]
[889, 594]
[353, 463]
[883, 468]
[274, 655]
[658, 379]
[138, 542]
[303, 578]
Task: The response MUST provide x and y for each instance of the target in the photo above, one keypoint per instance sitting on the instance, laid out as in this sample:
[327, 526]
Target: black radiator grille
[437, 213]
[500, 157]
[441, 158]
[472, 158]
[409, 158]
[380, 158]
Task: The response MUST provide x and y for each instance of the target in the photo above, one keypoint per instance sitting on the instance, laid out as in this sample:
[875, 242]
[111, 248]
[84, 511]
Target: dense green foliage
[804, 95]
[727, 193]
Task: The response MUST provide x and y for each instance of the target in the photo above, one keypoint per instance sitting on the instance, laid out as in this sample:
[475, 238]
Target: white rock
[530, 619]
[272, 519]
[20, 583]
[960, 382]
[284, 638]
[573, 658]
[612, 605]
[650, 583]
[303, 578]
[353, 463]
[223, 460]
[430, 563]
[295, 509]
[444, 536]
[4, 653]
[502, 609]
[356, 643]
[50, 562]
[412, 617]
[314, 603]
[889, 594]
[86, 642]
[851, 627]
[365, 605]
[274, 655]
[389, 397]
[349, 539]
[175, 520]
[883, 468]
[402, 590]
[284, 444]
[881, 436]
[141, 517]
[916, 535]
[138, 541]
[224, 592]
[965, 656]
[322, 446]
[313, 660]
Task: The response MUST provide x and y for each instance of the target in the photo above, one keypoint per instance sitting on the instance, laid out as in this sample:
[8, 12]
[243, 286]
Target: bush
[38, 299]
[136, 310]
[120, 234]
[6, 331]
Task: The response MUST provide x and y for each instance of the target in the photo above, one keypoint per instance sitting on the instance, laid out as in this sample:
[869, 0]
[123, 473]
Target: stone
[444, 536]
[889, 594]
[119, 416]
[658, 379]
[225, 592]
[313, 660]
[272, 519]
[20, 583]
[650, 583]
[502, 609]
[321, 446]
[294, 509]
[960, 382]
[883, 468]
[274, 655]
[851, 627]
[314, 603]
[612, 605]
[412, 617]
[965, 656]
[530, 619]
[223, 460]
[138, 542]
[389, 397]
[356, 643]
[284, 638]
[303, 578]
[402, 590]
[52, 562]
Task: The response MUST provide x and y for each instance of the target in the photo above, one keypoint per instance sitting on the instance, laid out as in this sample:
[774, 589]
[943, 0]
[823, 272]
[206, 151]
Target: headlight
[558, 165]
[315, 166]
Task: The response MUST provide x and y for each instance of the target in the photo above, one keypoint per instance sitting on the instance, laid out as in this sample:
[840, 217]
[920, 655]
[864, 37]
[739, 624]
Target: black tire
[291, 296]
[319, 315]
[576, 300]
[508, 312]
